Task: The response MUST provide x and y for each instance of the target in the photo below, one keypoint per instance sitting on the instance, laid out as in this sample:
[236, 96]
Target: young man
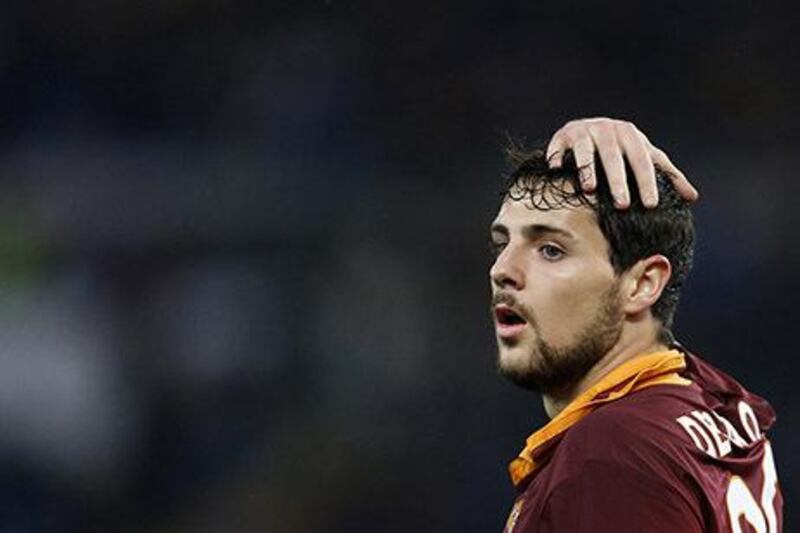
[643, 435]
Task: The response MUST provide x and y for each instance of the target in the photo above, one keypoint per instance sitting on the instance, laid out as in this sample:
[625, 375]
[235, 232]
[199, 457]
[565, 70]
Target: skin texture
[556, 281]
[553, 269]
[616, 141]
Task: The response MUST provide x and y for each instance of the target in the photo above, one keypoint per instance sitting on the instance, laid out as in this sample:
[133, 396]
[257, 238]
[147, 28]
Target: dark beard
[553, 369]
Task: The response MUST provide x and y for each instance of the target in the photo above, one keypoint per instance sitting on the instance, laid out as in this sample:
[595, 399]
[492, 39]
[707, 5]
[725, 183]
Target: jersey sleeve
[616, 497]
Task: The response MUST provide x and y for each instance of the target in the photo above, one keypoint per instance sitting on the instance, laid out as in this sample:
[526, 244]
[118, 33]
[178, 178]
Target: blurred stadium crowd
[242, 260]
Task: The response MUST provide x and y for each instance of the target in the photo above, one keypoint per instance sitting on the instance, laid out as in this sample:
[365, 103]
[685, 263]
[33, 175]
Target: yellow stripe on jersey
[644, 371]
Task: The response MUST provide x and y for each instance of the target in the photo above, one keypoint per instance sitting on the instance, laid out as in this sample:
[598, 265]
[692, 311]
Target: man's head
[571, 270]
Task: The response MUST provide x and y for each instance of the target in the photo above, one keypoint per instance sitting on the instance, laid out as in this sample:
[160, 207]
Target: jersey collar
[640, 372]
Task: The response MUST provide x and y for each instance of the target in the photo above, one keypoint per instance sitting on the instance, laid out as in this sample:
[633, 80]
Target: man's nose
[506, 271]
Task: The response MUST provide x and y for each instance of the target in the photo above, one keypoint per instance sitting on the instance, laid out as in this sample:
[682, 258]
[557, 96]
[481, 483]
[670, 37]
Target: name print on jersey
[716, 436]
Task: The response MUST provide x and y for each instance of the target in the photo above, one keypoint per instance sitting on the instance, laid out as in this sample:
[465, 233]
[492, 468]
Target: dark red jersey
[665, 442]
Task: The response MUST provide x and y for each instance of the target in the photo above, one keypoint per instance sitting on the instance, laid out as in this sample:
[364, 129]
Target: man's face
[555, 303]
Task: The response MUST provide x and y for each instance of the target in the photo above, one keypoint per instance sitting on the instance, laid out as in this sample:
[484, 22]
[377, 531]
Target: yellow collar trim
[640, 372]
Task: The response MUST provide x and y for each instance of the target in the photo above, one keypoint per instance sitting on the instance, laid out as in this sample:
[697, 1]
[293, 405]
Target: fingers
[585, 138]
[608, 147]
[555, 150]
[679, 181]
[616, 141]
[637, 151]
[574, 136]
[583, 150]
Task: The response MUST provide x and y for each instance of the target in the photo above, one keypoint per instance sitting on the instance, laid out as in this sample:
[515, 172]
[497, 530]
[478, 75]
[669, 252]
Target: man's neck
[631, 345]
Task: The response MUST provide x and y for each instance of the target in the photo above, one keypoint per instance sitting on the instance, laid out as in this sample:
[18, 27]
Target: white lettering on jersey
[733, 435]
[698, 435]
[722, 441]
[742, 505]
[749, 422]
[715, 435]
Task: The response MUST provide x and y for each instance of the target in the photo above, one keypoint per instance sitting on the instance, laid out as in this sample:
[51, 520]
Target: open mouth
[507, 318]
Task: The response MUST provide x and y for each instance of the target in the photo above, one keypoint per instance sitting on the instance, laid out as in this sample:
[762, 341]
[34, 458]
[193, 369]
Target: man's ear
[644, 283]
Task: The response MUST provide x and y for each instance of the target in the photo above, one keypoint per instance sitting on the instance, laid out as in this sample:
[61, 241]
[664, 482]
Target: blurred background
[243, 270]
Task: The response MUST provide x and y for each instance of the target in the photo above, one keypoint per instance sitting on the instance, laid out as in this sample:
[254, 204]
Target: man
[643, 436]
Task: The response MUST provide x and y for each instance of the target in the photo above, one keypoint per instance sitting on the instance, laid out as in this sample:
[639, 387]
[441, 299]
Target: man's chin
[524, 378]
[516, 365]
[511, 356]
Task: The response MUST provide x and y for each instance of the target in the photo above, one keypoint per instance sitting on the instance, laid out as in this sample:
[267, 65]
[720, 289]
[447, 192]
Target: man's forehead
[520, 212]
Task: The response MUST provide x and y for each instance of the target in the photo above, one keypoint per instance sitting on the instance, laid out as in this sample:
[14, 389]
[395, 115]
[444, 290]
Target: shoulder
[639, 430]
[638, 433]
[623, 463]
[622, 498]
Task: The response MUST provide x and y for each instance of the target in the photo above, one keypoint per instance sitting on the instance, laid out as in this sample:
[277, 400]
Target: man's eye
[551, 252]
[496, 248]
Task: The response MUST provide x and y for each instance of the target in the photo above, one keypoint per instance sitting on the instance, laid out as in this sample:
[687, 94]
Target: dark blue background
[242, 245]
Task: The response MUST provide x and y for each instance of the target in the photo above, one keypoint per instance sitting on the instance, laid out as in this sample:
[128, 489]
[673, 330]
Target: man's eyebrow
[499, 228]
[535, 231]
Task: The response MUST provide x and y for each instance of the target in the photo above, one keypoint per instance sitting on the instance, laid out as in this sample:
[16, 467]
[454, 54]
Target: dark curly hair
[632, 234]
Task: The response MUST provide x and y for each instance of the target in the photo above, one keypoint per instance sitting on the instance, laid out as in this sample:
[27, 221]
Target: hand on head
[615, 141]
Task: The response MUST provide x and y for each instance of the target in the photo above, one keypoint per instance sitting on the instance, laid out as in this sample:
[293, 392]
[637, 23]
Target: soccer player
[643, 436]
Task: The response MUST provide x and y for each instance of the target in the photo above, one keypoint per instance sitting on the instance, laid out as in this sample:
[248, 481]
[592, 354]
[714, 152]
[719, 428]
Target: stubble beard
[550, 369]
